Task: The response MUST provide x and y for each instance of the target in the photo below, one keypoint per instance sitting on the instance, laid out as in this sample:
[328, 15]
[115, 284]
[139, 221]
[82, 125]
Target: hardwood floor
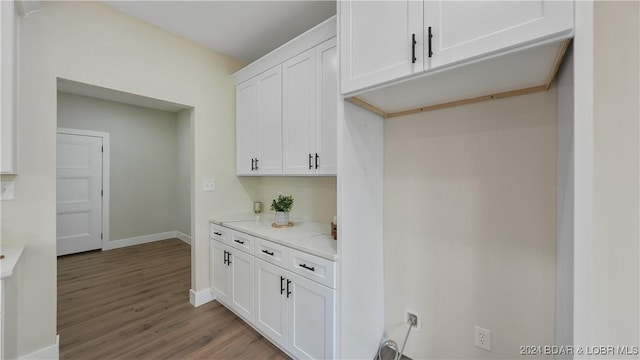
[133, 303]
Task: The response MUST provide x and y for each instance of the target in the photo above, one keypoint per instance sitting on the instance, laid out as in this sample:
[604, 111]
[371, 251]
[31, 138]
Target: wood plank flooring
[133, 303]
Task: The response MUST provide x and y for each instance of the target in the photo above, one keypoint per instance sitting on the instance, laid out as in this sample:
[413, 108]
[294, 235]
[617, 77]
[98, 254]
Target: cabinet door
[241, 295]
[269, 137]
[298, 117]
[270, 301]
[463, 30]
[327, 108]
[219, 272]
[376, 41]
[246, 126]
[311, 321]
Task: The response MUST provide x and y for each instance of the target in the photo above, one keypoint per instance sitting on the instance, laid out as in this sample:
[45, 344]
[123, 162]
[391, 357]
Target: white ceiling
[245, 30]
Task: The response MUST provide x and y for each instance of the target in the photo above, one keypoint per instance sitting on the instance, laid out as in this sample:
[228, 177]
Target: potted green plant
[282, 206]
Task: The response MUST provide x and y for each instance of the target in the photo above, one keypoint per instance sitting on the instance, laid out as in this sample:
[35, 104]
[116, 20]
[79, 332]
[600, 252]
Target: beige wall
[470, 226]
[91, 43]
[314, 197]
[144, 170]
[616, 201]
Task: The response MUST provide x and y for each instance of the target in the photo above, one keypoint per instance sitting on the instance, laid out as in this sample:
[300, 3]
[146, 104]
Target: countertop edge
[12, 256]
[294, 246]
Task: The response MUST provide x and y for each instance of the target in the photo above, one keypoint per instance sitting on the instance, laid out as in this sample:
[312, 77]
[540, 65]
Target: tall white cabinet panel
[242, 284]
[219, 271]
[270, 301]
[327, 107]
[246, 126]
[7, 87]
[311, 322]
[377, 41]
[299, 111]
[463, 30]
[269, 158]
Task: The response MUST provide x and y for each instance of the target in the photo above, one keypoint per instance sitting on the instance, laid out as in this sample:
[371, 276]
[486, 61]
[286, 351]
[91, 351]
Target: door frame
[106, 165]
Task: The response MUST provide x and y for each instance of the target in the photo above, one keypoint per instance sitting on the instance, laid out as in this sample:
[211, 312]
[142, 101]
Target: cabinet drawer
[219, 233]
[271, 252]
[313, 267]
[241, 241]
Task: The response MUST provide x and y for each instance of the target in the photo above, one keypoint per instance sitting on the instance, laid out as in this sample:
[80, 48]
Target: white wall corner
[201, 297]
[184, 237]
[49, 352]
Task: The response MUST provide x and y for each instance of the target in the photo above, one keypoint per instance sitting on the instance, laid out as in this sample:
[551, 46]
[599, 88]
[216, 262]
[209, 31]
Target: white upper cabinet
[259, 124]
[310, 111]
[377, 36]
[286, 116]
[299, 113]
[463, 30]
[377, 42]
[326, 162]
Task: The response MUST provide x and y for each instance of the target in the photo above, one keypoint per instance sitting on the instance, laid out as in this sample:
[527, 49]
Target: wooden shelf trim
[530, 90]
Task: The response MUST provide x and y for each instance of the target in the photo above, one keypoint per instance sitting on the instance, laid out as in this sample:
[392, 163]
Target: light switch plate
[7, 190]
[209, 184]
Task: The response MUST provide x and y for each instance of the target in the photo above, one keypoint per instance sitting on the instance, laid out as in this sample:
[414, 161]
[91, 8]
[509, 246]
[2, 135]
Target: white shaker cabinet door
[269, 109]
[463, 30]
[312, 319]
[299, 111]
[246, 126]
[219, 271]
[270, 301]
[326, 108]
[241, 295]
[376, 42]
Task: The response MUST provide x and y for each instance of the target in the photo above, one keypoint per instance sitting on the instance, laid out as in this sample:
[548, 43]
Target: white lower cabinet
[297, 313]
[232, 278]
[289, 303]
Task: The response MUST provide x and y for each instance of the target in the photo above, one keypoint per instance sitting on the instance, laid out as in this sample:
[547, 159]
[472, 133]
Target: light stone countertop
[307, 236]
[11, 256]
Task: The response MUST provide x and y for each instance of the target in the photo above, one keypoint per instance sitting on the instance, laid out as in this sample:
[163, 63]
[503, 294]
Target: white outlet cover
[209, 184]
[482, 338]
[7, 190]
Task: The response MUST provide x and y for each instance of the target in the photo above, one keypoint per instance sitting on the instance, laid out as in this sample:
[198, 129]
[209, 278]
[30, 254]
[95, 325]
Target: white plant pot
[282, 218]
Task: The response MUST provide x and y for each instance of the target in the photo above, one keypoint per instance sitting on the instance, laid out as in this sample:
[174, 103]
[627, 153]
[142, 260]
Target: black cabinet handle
[256, 163]
[312, 268]
[268, 252]
[228, 258]
[310, 160]
[252, 164]
[217, 233]
[281, 285]
[317, 160]
[413, 48]
[225, 257]
[288, 292]
[430, 36]
[239, 241]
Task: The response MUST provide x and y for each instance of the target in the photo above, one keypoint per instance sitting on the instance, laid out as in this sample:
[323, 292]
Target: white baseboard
[201, 297]
[184, 237]
[115, 244]
[50, 352]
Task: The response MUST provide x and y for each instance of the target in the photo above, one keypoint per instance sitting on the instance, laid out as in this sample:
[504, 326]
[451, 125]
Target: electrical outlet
[482, 338]
[411, 318]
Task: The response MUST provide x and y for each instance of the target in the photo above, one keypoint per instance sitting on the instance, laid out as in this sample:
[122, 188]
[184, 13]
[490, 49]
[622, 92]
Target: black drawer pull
[281, 285]
[268, 252]
[317, 161]
[256, 163]
[253, 167]
[313, 268]
[310, 160]
[217, 233]
[288, 292]
[413, 48]
[430, 35]
[239, 241]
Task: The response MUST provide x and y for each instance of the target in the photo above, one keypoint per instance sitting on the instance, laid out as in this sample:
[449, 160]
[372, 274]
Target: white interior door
[78, 193]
